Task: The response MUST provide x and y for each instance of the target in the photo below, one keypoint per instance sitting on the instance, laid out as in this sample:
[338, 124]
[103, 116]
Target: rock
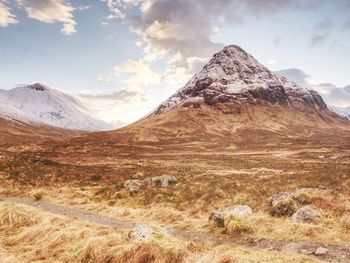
[282, 204]
[237, 211]
[321, 251]
[133, 186]
[145, 233]
[306, 214]
[164, 181]
[217, 219]
[286, 203]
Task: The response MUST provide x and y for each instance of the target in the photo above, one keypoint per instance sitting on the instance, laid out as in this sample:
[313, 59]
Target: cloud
[119, 107]
[333, 95]
[183, 31]
[118, 97]
[104, 79]
[51, 11]
[140, 74]
[346, 25]
[6, 17]
[324, 25]
[318, 39]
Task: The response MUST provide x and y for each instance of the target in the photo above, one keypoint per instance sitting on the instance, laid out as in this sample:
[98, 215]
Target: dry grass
[51, 238]
[214, 174]
[37, 194]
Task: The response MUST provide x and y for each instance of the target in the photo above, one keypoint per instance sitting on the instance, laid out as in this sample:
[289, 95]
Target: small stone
[141, 233]
[321, 251]
[146, 233]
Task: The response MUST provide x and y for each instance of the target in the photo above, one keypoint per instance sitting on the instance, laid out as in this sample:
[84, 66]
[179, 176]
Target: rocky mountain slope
[41, 105]
[236, 97]
[234, 76]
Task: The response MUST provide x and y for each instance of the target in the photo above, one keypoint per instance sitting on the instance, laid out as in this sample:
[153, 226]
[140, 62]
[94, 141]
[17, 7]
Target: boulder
[164, 180]
[218, 217]
[306, 214]
[286, 203]
[282, 204]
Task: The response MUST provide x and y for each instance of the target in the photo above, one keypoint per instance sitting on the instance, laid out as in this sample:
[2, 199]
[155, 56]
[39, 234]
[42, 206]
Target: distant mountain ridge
[40, 104]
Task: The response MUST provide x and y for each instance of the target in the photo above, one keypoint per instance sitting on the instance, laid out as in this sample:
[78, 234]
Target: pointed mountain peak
[234, 76]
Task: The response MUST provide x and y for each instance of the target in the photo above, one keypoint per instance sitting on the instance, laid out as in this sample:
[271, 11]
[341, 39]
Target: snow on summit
[40, 104]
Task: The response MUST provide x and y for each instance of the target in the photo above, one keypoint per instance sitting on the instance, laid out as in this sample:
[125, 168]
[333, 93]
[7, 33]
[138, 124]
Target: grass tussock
[237, 227]
[345, 221]
[16, 216]
[37, 194]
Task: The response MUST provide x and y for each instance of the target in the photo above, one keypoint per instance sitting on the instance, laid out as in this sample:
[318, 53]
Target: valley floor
[91, 178]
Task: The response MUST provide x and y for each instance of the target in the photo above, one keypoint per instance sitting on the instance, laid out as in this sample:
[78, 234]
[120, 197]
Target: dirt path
[335, 253]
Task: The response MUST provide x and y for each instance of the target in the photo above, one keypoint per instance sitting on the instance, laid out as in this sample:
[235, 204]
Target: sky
[122, 58]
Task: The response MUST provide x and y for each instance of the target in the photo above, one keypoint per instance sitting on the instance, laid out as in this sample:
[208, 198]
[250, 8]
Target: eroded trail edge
[335, 252]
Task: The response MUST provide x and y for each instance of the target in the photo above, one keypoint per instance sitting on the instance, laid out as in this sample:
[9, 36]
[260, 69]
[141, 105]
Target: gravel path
[335, 253]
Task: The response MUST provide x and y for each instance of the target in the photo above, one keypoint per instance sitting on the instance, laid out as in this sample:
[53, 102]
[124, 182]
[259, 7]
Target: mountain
[234, 96]
[344, 112]
[235, 76]
[40, 104]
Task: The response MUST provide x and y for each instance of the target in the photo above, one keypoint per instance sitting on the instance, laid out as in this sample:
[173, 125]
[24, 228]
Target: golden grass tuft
[16, 216]
[236, 227]
[37, 194]
[345, 222]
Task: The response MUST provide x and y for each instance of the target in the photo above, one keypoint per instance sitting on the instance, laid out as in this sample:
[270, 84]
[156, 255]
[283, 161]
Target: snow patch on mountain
[40, 104]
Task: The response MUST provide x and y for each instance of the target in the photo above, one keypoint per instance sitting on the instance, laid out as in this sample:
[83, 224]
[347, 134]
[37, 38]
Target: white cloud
[51, 11]
[119, 107]
[104, 79]
[140, 74]
[6, 17]
[179, 31]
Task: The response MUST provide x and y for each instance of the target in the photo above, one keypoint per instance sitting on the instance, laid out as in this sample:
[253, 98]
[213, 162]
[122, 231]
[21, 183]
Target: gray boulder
[218, 217]
[286, 203]
[306, 214]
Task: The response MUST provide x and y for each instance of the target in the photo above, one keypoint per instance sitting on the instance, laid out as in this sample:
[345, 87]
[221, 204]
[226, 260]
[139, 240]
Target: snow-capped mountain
[40, 104]
[234, 75]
